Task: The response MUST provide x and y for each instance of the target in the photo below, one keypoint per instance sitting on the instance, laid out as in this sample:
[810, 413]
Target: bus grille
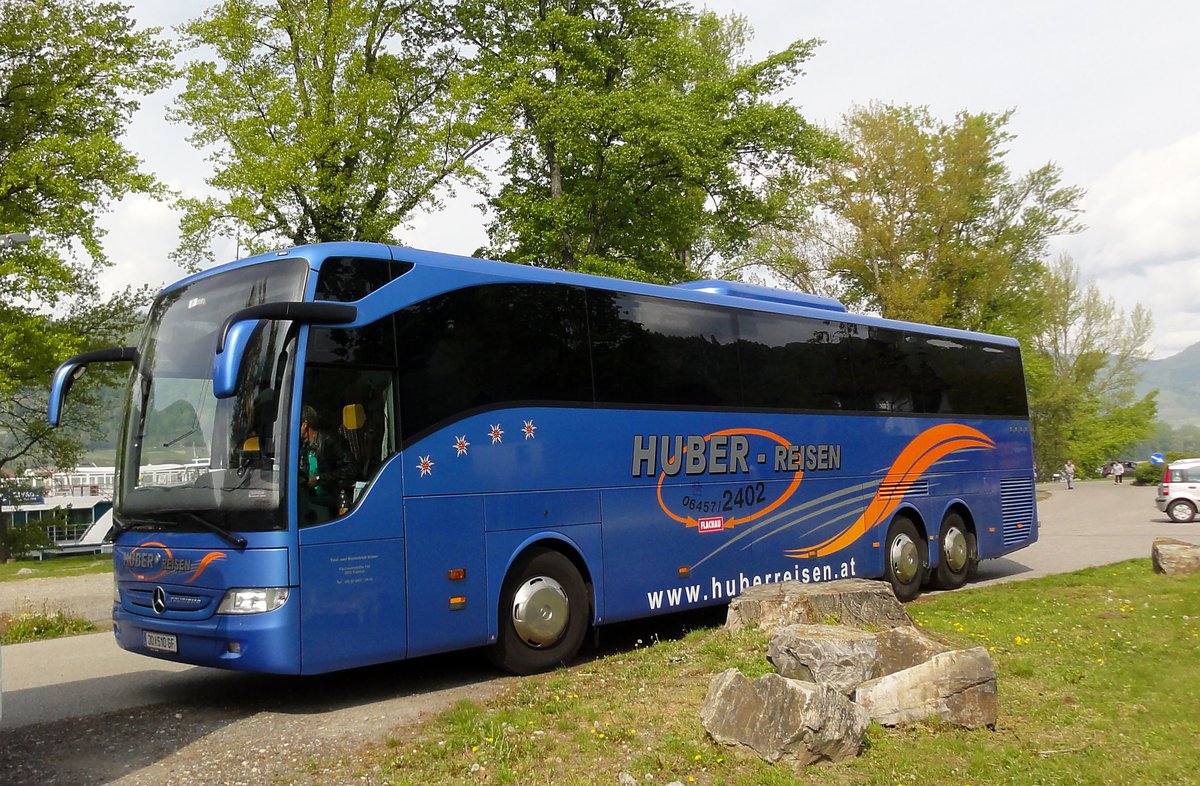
[1016, 509]
[903, 488]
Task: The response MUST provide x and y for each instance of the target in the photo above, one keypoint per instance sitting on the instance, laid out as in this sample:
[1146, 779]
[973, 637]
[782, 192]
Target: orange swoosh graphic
[925, 449]
[209, 558]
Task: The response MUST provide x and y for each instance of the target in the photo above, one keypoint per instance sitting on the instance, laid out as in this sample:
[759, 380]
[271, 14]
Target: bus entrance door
[352, 588]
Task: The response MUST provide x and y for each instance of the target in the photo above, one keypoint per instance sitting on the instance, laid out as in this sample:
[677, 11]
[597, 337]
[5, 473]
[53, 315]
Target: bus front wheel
[905, 559]
[956, 552]
[543, 614]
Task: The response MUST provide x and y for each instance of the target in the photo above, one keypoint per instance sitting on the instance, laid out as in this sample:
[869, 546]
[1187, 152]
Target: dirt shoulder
[215, 741]
[88, 596]
[206, 726]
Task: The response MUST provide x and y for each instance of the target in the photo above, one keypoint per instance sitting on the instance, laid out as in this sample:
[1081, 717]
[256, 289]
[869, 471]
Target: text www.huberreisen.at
[723, 589]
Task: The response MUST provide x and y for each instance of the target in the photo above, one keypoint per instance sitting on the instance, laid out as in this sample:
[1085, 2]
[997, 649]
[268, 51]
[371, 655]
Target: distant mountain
[1178, 381]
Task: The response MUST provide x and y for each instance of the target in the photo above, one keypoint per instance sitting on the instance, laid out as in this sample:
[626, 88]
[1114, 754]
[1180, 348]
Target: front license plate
[163, 642]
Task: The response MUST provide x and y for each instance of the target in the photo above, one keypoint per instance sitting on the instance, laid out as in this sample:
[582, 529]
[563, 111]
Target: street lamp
[13, 239]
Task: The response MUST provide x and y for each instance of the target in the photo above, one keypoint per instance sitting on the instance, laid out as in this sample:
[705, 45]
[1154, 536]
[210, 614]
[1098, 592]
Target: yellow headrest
[353, 416]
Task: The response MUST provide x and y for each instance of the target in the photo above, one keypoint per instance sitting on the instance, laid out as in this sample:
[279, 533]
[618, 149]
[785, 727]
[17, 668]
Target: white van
[1179, 492]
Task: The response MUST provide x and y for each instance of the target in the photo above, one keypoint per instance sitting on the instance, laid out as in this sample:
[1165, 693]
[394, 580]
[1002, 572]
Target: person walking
[1118, 471]
[1069, 473]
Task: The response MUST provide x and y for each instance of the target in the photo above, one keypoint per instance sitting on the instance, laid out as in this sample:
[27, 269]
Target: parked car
[1179, 492]
[1106, 470]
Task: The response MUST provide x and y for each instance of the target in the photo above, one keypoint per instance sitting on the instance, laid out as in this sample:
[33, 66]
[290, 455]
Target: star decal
[461, 445]
[496, 433]
[529, 428]
[425, 466]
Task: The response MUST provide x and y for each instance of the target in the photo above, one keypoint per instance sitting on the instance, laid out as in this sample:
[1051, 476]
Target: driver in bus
[326, 469]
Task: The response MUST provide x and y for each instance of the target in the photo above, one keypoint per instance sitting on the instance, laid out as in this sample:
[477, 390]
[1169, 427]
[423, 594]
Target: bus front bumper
[267, 642]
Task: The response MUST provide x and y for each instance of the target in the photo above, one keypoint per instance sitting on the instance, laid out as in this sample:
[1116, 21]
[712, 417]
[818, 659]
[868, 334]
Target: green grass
[56, 567]
[1097, 674]
[35, 625]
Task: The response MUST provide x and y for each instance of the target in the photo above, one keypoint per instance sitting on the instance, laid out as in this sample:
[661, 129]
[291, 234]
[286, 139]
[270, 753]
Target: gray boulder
[859, 603]
[903, 648]
[957, 687]
[844, 658]
[1174, 557]
[841, 658]
[781, 719]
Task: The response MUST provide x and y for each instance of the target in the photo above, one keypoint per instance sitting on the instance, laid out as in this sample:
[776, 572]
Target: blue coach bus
[534, 453]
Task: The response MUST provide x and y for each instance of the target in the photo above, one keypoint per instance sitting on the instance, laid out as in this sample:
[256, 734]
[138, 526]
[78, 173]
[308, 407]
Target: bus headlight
[254, 600]
[116, 590]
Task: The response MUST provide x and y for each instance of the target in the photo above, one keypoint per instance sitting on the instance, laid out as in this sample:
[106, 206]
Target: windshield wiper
[182, 436]
[224, 534]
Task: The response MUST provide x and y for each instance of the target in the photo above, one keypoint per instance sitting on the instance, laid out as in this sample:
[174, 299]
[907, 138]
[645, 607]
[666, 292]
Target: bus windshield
[187, 459]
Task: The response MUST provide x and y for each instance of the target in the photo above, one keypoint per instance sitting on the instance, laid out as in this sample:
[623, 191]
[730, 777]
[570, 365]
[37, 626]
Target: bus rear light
[254, 600]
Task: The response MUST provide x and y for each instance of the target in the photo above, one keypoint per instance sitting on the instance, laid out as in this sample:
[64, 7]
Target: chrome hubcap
[954, 548]
[540, 611]
[905, 558]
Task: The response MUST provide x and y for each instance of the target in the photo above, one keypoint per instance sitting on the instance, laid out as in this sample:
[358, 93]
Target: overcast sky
[1107, 90]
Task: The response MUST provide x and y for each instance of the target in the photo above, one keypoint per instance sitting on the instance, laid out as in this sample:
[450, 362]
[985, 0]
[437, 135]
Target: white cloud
[1169, 290]
[1142, 244]
[1145, 211]
[141, 233]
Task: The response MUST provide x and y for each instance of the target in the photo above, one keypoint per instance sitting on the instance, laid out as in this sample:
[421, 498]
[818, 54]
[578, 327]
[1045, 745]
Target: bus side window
[367, 422]
[349, 379]
[357, 404]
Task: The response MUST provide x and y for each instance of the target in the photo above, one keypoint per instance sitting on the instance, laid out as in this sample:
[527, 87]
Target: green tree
[922, 220]
[70, 75]
[325, 119]
[640, 141]
[1082, 372]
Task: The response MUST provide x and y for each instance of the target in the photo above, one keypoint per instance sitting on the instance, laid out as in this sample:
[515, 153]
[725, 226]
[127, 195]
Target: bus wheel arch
[958, 551]
[905, 555]
[544, 609]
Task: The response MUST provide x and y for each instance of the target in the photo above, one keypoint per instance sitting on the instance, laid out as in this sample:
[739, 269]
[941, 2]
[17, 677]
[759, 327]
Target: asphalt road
[1096, 523]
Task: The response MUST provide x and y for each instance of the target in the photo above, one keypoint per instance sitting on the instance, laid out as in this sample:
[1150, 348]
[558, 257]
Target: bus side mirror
[234, 336]
[228, 360]
[74, 368]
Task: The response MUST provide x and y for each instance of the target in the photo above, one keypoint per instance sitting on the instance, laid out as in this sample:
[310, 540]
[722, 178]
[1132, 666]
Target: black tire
[1181, 511]
[905, 559]
[547, 583]
[956, 552]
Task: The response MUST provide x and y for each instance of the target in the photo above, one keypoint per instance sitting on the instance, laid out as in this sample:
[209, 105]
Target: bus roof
[728, 293]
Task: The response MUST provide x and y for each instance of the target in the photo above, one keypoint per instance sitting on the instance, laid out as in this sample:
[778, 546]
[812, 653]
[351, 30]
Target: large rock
[781, 719]
[903, 648]
[841, 658]
[1173, 556]
[957, 687]
[859, 603]
[844, 658]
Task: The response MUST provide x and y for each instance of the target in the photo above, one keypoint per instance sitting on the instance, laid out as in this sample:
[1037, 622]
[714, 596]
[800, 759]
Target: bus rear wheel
[543, 615]
[905, 559]
[956, 552]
